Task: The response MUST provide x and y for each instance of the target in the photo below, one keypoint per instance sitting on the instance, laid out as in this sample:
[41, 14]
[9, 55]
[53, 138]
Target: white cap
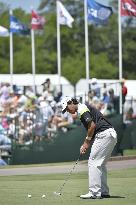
[94, 80]
[20, 92]
[50, 98]
[41, 98]
[64, 103]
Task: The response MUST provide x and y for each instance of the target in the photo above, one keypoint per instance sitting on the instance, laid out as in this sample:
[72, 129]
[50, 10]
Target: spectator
[47, 114]
[12, 128]
[22, 99]
[114, 100]
[2, 162]
[48, 87]
[128, 111]
[95, 87]
[62, 121]
[106, 98]
[92, 97]
[5, 90]
[5, 97]
[13, 98]
[134, 107]
[31, 101]
[124, 91]
[4, 140]
[58, 97]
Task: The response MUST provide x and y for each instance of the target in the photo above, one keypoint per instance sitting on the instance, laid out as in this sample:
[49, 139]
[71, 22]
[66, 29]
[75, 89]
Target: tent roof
[27, 79]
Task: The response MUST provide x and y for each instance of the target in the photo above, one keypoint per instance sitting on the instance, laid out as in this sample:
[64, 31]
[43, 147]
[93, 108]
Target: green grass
[14, 189]
[129, 152]
[36, 165]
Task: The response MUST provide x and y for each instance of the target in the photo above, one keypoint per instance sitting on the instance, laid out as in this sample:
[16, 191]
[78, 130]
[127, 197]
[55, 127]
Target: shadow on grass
[112, 197]
[117, 197]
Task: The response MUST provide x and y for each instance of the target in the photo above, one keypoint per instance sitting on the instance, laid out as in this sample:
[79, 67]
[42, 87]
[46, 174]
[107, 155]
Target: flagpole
[11, 55]
[86, 44]
[58, 48]
[120, 51]
[33, 58]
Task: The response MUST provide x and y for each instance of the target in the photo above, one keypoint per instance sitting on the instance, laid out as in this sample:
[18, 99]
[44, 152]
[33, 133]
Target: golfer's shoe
[89, 196]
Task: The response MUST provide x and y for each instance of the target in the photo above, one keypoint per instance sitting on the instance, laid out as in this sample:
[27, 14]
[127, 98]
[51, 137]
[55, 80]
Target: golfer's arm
[90, 132]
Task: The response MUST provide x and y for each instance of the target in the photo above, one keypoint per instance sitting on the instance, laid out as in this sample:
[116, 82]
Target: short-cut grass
[14, 189]
[129, 152]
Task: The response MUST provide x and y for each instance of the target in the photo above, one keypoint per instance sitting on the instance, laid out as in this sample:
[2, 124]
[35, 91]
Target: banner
[37, 22]
[98, 13]
[4, 31]
[17, 27]
[63, 16]
[128, 8]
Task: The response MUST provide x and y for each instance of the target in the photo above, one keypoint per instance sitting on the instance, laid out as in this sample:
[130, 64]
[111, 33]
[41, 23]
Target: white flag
[4, 31]
[63, 15]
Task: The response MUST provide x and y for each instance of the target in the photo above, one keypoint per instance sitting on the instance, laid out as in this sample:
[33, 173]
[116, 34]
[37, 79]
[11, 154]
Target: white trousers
[101, 150]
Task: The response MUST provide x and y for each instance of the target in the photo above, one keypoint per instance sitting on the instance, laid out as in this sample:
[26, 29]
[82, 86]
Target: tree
[103, 45]
[129, 51]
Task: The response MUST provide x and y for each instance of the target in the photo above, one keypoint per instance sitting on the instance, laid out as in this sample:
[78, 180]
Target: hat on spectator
[41, 98]
[94, 80]
[64, 103]
[43, 104]
[19, 92]
[50, 98]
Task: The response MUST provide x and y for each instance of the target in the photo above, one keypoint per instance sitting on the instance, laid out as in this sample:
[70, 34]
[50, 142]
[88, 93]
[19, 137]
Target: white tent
[81, 86]
[27, 80]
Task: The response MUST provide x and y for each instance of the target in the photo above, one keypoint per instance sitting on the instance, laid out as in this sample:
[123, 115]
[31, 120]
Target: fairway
[14, 189]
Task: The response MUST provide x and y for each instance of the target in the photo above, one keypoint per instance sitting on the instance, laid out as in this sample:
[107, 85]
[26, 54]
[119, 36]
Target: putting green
[14, 190]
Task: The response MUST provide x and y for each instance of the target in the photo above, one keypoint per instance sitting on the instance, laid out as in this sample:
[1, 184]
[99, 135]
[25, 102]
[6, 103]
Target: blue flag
[17, 27]
[97, 12]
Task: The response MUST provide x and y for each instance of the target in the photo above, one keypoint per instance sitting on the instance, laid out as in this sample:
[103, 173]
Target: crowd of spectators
[103, 98]
[108, 103]
[26, 117]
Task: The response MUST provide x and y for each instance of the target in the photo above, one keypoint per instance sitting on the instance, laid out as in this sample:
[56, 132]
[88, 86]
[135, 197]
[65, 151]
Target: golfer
[103, 138]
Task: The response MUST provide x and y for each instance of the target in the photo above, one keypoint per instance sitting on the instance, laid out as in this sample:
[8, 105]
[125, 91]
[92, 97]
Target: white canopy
[27, 80]
[113, 83]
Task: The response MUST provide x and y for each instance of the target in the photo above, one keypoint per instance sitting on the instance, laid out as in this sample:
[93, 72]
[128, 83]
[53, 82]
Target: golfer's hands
[84, 148]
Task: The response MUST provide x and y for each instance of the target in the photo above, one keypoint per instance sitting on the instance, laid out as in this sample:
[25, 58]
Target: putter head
[57, 193]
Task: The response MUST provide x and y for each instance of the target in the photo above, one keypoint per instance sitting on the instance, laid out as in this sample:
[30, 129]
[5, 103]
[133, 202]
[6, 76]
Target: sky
[24, 4]
[28, 4]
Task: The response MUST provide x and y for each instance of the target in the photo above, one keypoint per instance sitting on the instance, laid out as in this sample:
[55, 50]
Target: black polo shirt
[92, 114]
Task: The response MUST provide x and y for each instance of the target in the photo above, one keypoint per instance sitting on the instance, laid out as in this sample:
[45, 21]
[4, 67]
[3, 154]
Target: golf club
[62, 186]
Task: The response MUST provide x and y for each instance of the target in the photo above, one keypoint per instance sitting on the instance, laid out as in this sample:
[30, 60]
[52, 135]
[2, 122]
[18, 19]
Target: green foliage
[103, 45]
[129, 52]
[103, 67]
[74, 68]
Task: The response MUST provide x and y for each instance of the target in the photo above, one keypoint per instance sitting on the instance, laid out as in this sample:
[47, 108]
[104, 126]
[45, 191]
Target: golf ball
[29, 195]
[57, 193]
[43, 196]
